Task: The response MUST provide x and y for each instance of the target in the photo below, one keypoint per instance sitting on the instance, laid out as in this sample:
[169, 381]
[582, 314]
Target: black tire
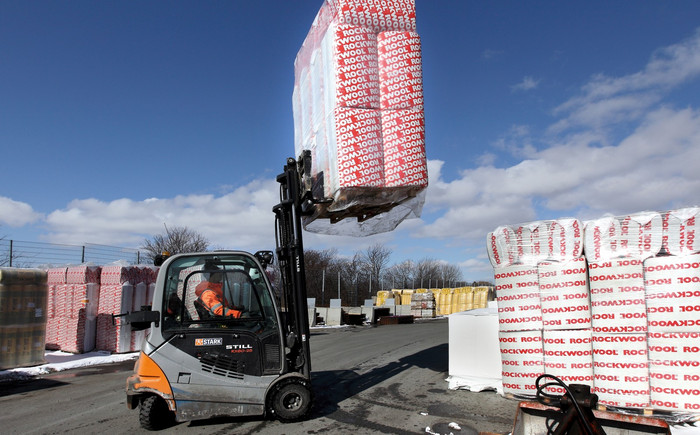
[291, 401]
[154, 413]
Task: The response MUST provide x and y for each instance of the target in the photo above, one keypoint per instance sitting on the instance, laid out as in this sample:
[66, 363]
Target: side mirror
[140, 320]
[265, 258]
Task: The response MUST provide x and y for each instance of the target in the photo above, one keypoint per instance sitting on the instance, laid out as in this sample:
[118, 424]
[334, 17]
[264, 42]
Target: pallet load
[56, 280]
[543, 308]
[122, 290]
[23, 301]
[422, 305]
[358, 108]
[75, 305]
[627, 316]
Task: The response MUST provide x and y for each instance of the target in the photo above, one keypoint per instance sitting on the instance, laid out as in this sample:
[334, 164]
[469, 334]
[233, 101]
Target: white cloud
[605, 100]
[528, 83]
[16, 214]
[242, 219]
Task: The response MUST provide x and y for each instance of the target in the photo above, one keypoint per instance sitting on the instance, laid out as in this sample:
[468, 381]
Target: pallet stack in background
[358, 107]
[429, 303]
[123, 289]
[623, 318]
[73, 308]
[23, 300]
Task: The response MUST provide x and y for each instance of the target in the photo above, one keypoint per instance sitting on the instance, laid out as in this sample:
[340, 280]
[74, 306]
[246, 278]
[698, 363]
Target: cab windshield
[218, 290]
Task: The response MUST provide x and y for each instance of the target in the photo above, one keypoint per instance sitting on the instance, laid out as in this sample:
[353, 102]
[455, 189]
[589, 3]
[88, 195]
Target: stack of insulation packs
[123, 289]
[358, 107]
[543, 305]
[23, 294]
[624, 319]
[72, 310]
[423, 304]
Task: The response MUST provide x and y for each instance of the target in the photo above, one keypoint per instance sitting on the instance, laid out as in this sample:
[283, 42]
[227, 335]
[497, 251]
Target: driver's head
[216, 276]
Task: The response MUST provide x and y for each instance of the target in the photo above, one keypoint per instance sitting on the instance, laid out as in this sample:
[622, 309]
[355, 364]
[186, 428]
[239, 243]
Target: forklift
[197, 364]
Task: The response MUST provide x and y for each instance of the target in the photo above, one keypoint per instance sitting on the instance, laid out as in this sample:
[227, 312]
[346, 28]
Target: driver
[211, 295]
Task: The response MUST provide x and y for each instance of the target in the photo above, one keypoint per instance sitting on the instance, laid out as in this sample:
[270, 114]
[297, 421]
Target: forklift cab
[216, 346]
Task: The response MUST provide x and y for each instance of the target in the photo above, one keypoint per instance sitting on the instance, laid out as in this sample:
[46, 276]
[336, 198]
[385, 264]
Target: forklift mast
[295, 200]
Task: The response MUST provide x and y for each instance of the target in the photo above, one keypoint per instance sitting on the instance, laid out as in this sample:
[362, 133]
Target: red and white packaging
[139, 300]
[522, 361]
[114, 336]
[56, 281]
[83, 274]
[500, 246]
[621, 370]
[77, 328]
[379, 15]
[682, 231]
[518, 298]
[640, 235]
[674, 370]
[403, 133]
[564, 294]
[119, 274]
[617, 296]
[337, 72]
[564, 239]
[673, 293]
[356, 147]
[633, 236]
[400, 70]
[568, 355]
[350, 70]
[600, 239]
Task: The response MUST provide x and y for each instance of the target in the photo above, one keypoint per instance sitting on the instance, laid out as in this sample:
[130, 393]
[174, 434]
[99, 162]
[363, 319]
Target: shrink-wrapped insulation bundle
[56, 280]
[541, 288]
[79, 327]
[358, 108]
[73, 309]
[616, 248]
[23, 307]
[122, 290]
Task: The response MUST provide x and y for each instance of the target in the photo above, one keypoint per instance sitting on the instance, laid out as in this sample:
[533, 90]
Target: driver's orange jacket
[212, 297]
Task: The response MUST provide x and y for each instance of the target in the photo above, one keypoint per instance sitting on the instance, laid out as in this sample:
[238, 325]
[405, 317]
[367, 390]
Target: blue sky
[118, 117]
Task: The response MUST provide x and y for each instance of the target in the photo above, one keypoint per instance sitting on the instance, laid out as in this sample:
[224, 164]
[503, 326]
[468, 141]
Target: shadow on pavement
[334, 386]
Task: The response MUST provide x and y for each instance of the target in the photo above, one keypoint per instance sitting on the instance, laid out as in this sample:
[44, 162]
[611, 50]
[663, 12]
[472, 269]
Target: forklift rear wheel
[154, 414]
[291, 401]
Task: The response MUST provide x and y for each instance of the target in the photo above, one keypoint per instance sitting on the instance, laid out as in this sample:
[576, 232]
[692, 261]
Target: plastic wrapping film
[23, 307]
[623, 318]
[358, 107]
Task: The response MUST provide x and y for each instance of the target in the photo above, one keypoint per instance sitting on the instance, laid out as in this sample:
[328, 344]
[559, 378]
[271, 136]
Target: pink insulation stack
[358, 107]
[72, 308]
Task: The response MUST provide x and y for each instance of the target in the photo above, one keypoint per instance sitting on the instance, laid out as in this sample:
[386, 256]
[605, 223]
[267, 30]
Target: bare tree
[175, 240]
[427, 273]
[317, 264]
[375, 259]
[402, 274]
[450, 274]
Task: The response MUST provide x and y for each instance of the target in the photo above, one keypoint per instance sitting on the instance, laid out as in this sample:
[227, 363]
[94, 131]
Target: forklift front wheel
[154, 413]
[291, 401]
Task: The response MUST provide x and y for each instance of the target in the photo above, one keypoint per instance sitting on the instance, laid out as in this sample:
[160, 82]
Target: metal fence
[17, 253]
